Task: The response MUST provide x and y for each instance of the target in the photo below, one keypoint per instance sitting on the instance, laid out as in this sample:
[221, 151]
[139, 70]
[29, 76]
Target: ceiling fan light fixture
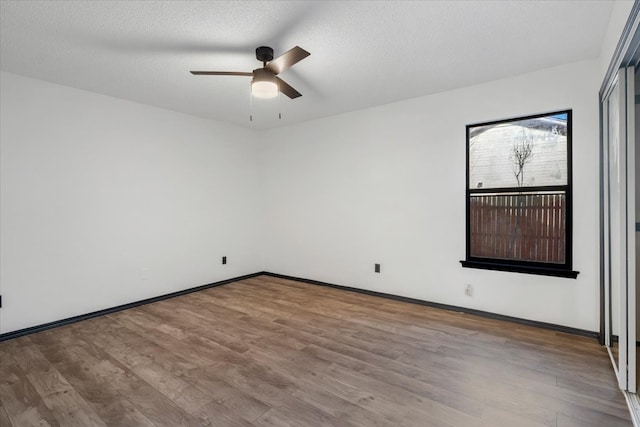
[264, 84]
[264, 89]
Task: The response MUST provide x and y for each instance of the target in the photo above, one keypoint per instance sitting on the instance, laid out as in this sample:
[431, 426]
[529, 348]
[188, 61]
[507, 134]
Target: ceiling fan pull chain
[279, 105]
[250, 105]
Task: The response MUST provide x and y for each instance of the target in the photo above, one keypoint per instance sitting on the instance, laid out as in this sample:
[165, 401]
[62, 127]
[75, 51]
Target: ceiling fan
[266, 83]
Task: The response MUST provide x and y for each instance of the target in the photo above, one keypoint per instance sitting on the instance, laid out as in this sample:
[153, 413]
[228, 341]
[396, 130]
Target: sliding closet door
[631, 228]
[611, 219]
[619, 226]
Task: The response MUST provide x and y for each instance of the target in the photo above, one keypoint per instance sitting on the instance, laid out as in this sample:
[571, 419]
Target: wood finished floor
[274, 352]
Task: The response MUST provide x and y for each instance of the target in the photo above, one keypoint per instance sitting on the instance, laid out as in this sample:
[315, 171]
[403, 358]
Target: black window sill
[520, 269]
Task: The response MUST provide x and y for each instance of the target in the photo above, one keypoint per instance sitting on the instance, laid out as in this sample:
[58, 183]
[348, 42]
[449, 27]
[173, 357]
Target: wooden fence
[528, 227]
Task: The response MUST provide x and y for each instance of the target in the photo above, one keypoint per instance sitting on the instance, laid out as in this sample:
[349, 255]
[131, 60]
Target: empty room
[319, 213]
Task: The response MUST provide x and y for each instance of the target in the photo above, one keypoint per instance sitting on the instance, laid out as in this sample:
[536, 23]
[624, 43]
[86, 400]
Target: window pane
[522, 153]
[519, 226]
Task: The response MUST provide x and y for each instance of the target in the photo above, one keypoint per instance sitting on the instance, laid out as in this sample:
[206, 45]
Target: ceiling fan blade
[287, 90]
[287, 59]
[221, 73]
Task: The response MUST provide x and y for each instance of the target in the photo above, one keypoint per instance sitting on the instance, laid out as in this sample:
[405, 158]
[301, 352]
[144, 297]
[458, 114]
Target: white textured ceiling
[363, 53]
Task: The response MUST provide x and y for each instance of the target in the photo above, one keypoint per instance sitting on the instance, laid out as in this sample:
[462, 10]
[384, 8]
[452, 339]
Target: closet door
[631, 227]
[619, 220]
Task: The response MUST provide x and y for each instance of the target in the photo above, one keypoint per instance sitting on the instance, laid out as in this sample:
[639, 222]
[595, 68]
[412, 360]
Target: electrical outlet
[224, 260]
[468, 291]
[377, 268]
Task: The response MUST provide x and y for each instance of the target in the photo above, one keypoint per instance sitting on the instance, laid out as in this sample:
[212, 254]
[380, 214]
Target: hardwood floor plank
[4, 417]
[298, 413]
[492, 417]
[20, 400]
[66, 404]
[267, 351]
[174, 388]
[375, 405]
[143, 325]
[593, 416]
[105, 400]
[216, 415]
[149, 401]
[567, 421]
[225, 397]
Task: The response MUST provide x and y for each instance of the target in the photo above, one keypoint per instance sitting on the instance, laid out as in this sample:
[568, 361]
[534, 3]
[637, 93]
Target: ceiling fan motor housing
[264, 54]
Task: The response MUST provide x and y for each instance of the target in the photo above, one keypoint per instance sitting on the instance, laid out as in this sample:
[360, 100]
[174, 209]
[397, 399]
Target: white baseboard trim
[633, 401]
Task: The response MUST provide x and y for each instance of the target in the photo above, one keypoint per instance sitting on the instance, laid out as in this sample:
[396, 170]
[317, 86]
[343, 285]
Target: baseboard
[487, 314]
[633, 402]
[38, 328]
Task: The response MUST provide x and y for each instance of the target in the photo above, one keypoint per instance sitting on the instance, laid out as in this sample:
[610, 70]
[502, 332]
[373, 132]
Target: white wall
[105, 202]
[387, 185]
[617, 21]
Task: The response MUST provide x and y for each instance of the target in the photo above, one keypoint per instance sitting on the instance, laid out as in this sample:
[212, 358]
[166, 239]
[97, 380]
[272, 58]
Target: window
[519, 195]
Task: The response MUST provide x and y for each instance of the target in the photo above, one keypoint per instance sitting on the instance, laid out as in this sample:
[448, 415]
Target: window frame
[514, 265]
